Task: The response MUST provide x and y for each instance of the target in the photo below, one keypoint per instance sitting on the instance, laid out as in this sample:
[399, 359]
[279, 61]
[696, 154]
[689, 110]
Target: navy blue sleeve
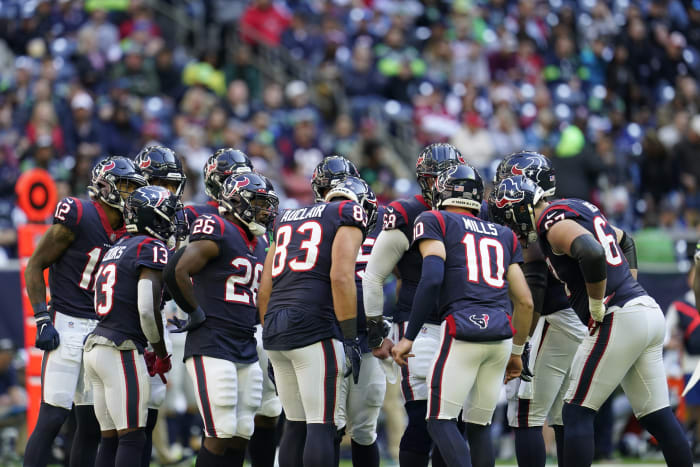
[207, 227]
[427, 293]
[429, 225]
[68, 212]
[152, 254]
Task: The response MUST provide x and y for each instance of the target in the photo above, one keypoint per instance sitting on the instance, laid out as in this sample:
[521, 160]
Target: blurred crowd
[608, 89]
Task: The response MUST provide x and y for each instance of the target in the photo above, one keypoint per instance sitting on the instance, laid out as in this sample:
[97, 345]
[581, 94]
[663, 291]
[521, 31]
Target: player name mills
[303, 213]
[476, 225]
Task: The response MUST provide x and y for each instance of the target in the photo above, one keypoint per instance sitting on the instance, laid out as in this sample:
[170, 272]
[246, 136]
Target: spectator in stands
[577, 168]
[90, 63]
[81, 130]
[45, 122]
[241, 67]
[169, 73]
[13, 398]
[301, 151]
[301, 40]
[687, 152]
[238, 101]
[264, 22]
[120, 134]
[474, 141]
[137, 71]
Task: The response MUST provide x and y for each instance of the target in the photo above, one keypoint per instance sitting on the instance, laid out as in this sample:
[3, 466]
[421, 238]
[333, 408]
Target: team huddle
[285, 312]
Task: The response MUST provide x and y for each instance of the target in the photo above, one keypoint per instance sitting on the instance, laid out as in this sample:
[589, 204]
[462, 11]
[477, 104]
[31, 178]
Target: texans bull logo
[529, 167]
[481, 321]
[108, 166]
[508, 193]
[145, 162]
[162, 196]
[240, 184]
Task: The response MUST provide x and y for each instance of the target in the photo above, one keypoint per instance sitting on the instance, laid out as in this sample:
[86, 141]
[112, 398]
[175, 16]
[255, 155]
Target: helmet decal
[241, 183]
[508, 194]
[145, 162]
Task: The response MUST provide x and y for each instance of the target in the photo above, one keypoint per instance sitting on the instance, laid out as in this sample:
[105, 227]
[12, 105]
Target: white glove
[597, 309]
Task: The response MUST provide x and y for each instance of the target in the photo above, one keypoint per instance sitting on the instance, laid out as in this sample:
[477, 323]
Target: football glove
[377, 330]
[353, 358]
[160, 367]
[194, 320]
[150, 358]
[46, 335]
[526, 374]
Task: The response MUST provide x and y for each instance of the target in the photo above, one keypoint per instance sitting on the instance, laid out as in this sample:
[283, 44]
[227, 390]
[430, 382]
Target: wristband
[39, 308]
[517, 349]
[349, 328]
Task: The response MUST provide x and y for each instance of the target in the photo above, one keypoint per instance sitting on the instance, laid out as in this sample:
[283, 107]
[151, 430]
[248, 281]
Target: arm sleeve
[386, 253]
[426, 293]
[147, 315]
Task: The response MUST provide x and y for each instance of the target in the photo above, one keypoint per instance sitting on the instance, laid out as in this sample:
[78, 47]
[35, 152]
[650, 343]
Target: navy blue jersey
[71, 278]
[116, 287]
[484, 211]
[474, 296]
[621, 286]
[193, 211]
[555, 297]
[401, 215]
[360, 266]
[227, 289]
[300, 311]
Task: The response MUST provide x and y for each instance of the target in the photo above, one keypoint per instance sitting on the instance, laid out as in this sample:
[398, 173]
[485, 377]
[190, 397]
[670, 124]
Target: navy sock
[319, 449]
[86, 437]
[148, 447]
[107, 452]
[292, 444]
[452, 445]
[529, 447]
[339, 434]
[234, 457]
[261, 447]
[436, 459]
[130, 448]
[206, 458]
[365, 455]
[664, 426]
[578, 435]
[480, 445]
[414, 450]
[47, 427]
[559, 437]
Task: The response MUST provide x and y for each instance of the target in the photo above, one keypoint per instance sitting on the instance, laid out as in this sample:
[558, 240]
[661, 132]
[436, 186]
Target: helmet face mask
[160, 166]
[222, 164]
[151, 210]
[329, 172]
[113, 180]
[432, 160]
[512, 203]
[251, 199]
[356, 189]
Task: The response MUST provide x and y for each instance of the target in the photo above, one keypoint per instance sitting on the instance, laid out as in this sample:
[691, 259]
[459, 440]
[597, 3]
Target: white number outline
[160, 249]
[608, 241]
[203, 225]
[485, 246]
[363, 258]
[62, 209]
[86, 277]
[109, 272]
[310, 245]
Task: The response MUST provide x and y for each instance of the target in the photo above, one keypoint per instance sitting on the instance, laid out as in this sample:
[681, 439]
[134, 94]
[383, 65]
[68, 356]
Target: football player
[160, 166]
[555, 338]
[597, 264]
[472, 266]
[71, 248]
[359, 403]
[128, 292]
[215, 280]
[393, 249]
[220, 165]
[308, 306]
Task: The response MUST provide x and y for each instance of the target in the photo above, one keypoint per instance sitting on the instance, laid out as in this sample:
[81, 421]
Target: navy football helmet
[512, 203]
[459, 186]
[151, 210]
[535, 166]
[356, 189]
[158, 163]
[330, 171]
[251, 198]
[113, 178]
[432, 160]
[220, 166]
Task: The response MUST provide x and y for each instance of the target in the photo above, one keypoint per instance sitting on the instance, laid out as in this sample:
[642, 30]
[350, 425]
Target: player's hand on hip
[384, 350]
[47, 337]
[593, 326]
[401, 351]
[194, 320]
[150, 358]
[353, 358]
[514, 367]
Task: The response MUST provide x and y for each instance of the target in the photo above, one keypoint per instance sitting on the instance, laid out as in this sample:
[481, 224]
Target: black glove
[377, 330]
[526, 374]
[353, 358]
[271, 373]
[194, 320]
[46, 335]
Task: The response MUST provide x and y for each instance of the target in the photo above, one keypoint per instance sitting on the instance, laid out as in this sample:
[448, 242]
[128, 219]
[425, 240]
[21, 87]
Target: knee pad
[578, 420]
[226, 423]
[271, 407]
[246, 426]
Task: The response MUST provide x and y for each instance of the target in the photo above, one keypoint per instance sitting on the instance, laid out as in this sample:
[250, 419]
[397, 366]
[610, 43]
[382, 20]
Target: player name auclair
[479, 226]
[303, 213]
